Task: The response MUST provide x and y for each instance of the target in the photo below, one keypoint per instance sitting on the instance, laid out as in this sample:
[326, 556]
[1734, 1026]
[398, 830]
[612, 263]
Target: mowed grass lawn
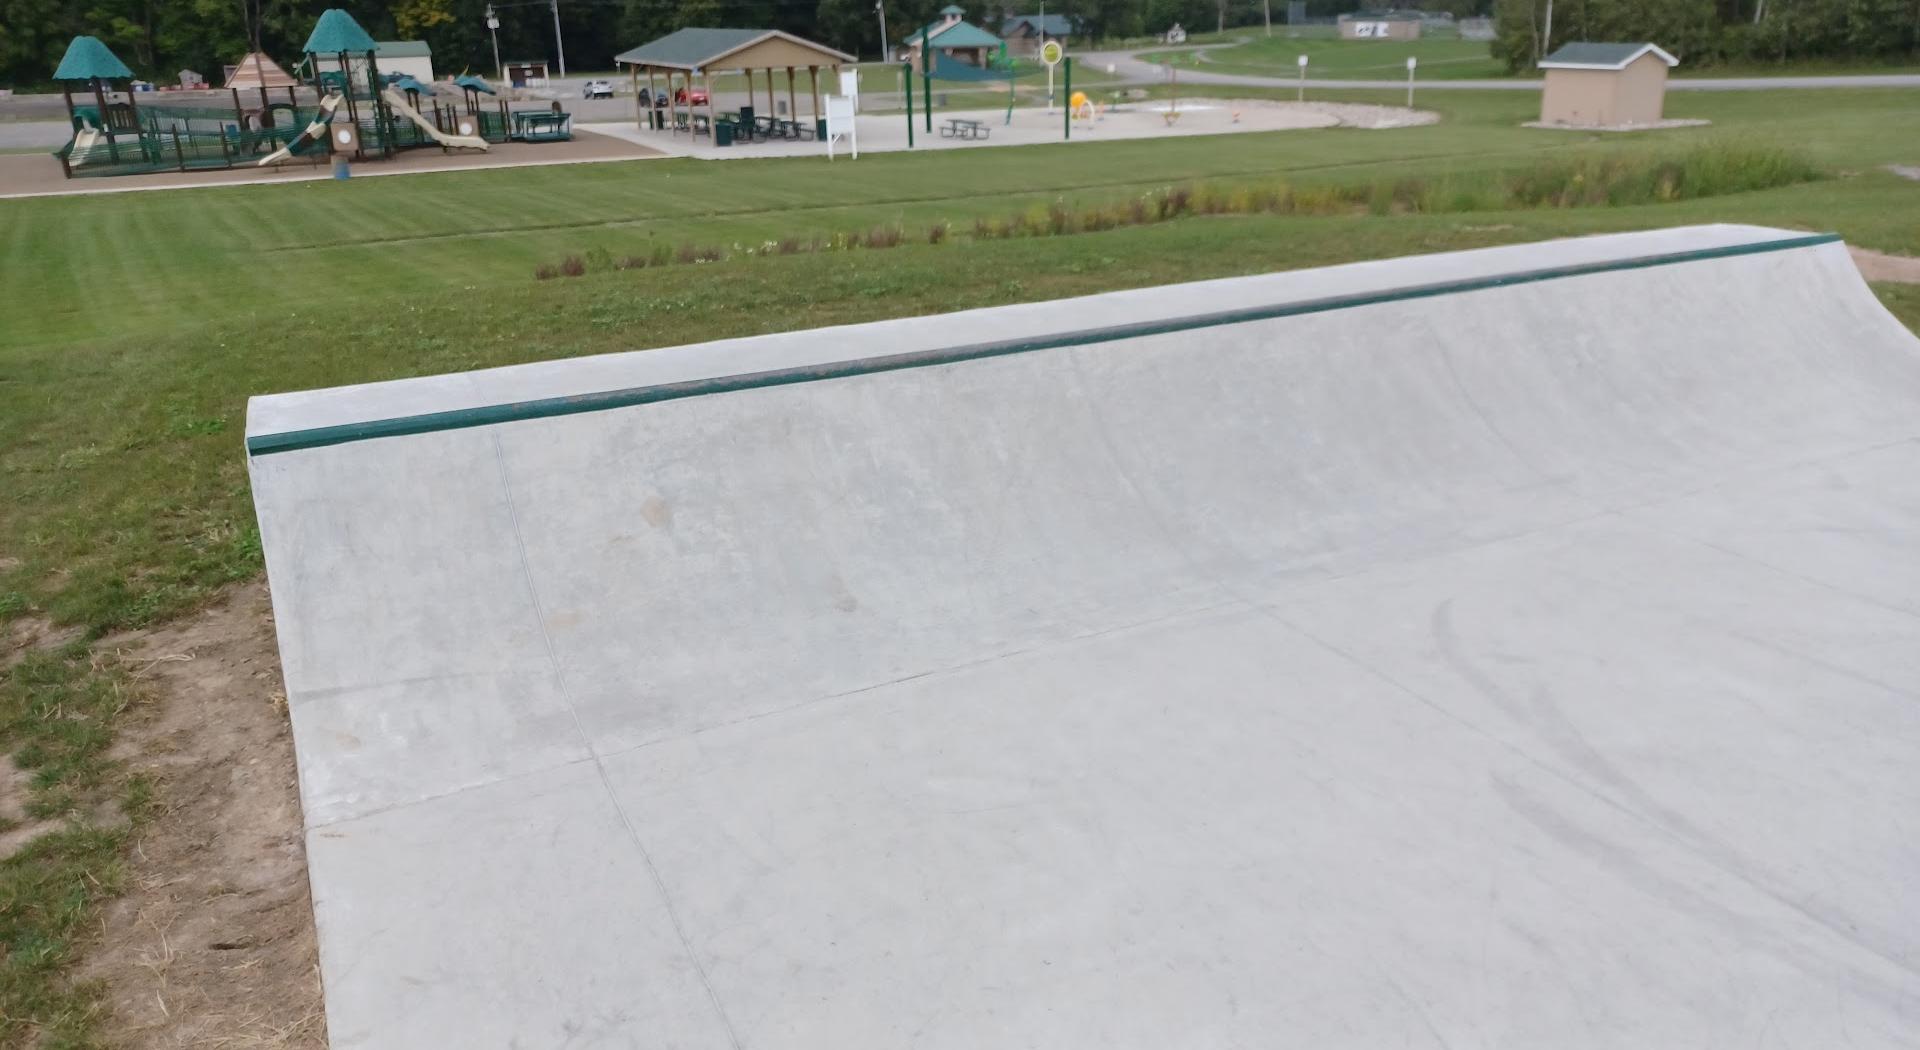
[137, 324]
[134, 326]
[1329, 57]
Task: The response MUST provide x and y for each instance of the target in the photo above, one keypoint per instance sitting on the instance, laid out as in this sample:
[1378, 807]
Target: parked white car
[597, 89]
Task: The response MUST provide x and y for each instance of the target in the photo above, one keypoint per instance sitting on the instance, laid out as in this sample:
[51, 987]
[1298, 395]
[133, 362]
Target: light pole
[558, 44]
[1303, 79]
[886, 45]
[1411, 62]
[493, 30]
[1266, 14]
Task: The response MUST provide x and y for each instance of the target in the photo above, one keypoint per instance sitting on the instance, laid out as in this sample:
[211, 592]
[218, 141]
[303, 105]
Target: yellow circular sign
[1051, 52]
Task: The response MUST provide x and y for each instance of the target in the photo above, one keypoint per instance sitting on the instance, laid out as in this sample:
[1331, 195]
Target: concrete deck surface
[887, 132]
[1532, 665]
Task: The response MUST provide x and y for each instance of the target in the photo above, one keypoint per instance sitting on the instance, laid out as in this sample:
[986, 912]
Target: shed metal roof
[87, 59]
[404, 49]
[1051, 25]
[955, 34]
[336, 31]
[1586, 55]
[702, 48]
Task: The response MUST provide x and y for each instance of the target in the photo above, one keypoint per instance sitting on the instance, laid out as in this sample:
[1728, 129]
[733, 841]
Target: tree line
[158, 38]
[1715, 32]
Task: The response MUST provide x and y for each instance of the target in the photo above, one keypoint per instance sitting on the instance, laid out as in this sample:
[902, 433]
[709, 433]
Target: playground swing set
[360, 114]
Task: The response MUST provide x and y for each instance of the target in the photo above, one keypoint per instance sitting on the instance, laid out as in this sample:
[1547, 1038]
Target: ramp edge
[600, 401]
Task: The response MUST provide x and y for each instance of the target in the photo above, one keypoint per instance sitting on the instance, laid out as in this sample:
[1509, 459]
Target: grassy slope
[140, 322]
[1441, 58]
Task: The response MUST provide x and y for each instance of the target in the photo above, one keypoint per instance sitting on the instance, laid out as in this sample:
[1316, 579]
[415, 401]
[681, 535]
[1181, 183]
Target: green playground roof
[336, 32]
[410, 84]
[956, 34]
[89, 59]
[468, 80]
[404, 49]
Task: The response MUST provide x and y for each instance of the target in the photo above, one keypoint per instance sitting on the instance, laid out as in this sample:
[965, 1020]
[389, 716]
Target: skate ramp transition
[1510, 647]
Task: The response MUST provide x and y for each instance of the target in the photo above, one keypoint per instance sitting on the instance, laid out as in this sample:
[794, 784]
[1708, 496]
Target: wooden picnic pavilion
[690, 53]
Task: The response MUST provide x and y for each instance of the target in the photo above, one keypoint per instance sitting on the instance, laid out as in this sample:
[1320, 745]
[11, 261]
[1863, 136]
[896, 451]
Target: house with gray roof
[954, 36]
[1025, 33]
[1605, 85]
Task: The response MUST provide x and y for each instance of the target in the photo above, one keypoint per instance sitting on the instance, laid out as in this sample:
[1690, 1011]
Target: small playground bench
[959, 128]
[536, 126]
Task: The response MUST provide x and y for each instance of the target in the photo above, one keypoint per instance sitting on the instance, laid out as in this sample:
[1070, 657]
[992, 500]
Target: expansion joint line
[599, 765]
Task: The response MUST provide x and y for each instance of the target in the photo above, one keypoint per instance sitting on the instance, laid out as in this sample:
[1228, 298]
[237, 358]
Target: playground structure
[348, 108]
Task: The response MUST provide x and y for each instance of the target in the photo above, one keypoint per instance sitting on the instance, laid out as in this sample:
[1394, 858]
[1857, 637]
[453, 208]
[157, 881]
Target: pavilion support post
[770, 113]
[713, 136]
[813, 82]
[651, 95]
[793, 106]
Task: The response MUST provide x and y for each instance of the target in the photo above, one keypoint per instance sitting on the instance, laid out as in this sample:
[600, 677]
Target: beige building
[1605, 85]
[1380, 25]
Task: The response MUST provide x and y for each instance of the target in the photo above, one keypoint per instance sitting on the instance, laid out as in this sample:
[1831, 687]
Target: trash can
[340, 168]
[820, 128]
[723, 132]
[746, 116]
[654, 120]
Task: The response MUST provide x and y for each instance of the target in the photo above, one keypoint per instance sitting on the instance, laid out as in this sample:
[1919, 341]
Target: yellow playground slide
[399, 103]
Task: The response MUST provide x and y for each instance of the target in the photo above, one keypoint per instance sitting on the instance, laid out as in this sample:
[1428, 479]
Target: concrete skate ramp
[1515, 647]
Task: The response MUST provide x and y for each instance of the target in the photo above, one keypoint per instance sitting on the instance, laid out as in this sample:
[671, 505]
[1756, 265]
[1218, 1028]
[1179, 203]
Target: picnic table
[962, 128]
[542, 126]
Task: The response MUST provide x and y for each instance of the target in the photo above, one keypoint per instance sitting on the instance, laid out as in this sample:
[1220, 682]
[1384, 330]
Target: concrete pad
[1427, 652]
[887, 133]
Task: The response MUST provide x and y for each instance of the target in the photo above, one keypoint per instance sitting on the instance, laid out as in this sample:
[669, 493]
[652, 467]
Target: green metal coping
[546, 408]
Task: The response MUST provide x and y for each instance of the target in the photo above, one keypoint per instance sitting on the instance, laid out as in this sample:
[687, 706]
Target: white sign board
[840, 124]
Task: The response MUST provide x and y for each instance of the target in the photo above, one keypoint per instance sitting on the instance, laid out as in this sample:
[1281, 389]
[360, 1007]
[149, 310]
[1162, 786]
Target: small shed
[1025, 33]
[527, 73]
[955, 37]
[191, 81]
[411, 58]
[1605, 85]
[1381, 25]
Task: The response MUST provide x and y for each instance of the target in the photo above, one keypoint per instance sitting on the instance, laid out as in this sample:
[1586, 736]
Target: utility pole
[493, 30]
[1266, 14]
[557, 42]
[1546, 39]
[886, 42]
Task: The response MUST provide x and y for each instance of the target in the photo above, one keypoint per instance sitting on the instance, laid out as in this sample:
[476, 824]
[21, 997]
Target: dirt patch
[1881, 266]
[213, 946]
[23, 635]
[16, 828]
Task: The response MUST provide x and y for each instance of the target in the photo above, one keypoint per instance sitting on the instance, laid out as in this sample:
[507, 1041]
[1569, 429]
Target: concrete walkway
[886, 133]
[1321, 659]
